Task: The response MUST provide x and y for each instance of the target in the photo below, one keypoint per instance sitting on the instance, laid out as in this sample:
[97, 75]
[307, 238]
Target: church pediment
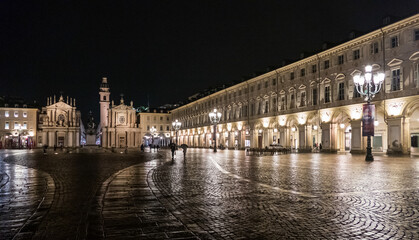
[122, 107]
[60, 105]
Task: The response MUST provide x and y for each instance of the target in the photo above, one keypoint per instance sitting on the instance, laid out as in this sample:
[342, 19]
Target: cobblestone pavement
[304, 196]
[224, 195]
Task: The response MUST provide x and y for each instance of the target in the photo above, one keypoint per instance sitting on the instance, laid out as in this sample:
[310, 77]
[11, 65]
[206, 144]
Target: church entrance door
[60, 141]
[121, 142]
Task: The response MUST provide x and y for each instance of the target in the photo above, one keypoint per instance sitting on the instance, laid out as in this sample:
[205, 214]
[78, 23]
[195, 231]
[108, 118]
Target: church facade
[59, 123]
[118, 123]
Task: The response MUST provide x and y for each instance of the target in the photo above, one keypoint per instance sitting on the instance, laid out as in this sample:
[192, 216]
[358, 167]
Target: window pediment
[340, 76]
[302, 86]
[291, 89]
[326, 80]
[355, 72]
[414, 57]
[395, 62]
[282, 91]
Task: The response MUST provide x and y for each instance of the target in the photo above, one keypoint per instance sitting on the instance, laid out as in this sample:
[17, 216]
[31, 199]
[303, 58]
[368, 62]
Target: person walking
[173, 149]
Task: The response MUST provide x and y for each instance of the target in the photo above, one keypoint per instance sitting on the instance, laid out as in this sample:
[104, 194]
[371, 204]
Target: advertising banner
[368, 111]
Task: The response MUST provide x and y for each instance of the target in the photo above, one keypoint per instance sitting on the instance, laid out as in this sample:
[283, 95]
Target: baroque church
[59, 123]
[118, 123]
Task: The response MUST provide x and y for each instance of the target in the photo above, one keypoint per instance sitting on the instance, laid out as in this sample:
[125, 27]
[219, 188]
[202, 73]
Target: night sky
[167, 50]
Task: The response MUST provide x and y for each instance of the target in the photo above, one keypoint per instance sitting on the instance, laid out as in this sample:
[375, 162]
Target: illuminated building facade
[118, 123]
[17, 126]
[155, 127]
[314, 100]
[59, 123]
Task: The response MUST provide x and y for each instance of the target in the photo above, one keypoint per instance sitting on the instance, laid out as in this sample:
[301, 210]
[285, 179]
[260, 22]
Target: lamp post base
[369, 157]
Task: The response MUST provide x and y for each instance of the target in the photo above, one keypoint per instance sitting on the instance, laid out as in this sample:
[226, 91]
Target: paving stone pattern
[223, 195]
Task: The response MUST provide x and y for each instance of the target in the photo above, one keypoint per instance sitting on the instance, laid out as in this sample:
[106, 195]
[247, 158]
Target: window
[394, 41]
[374, 48]
[161, 128]
[282, 103]
[266, 84]
[314, 96]
[16, 125]
[416, 74]
[251, 89]
[292, 75]
[25, 125]
[313, 68]
[266, 106]
[260, 108]
[6, 125]
[252, 109]
[154, 118]
[292, 101]
[161, 118]
[148, 128]
[167, 118]
[303, 72]
[356, 93]
[416, 34]
[356, 54]
[6, 113]
[327, 94]
[326, 64]
[104, 98]
[25, 114]
[303, 99]
[167, 127]
[340, 59]
[259, 86]
[395, 80]
[16, 114]
[273, 82]
[341, 93]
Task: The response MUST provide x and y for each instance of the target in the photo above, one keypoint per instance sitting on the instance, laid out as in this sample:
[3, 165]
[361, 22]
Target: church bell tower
[104, 102]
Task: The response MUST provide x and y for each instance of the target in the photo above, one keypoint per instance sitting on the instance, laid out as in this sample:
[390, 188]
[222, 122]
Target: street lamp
[215, 118]
[176, 126]
[368, 85]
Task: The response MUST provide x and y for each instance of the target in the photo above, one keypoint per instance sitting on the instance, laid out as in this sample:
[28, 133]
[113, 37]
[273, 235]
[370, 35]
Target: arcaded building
[156, 126]
[314, 100]
[118, 123]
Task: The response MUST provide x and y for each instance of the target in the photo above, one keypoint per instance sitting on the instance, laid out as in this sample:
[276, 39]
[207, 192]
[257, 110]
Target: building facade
[59, 123]
[155, 127]
[314, 100]
[18, 127]
[118, 123]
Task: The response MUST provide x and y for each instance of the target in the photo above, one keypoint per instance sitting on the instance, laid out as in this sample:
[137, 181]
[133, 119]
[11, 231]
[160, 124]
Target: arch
[410, 107]
[341, 116]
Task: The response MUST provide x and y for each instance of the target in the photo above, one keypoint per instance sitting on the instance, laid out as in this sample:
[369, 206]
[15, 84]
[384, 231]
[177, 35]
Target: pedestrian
[45, 148]
[158, 147]
[320, 146]
[55, 147]
[142, 147]
[184, 152]
[173, 149]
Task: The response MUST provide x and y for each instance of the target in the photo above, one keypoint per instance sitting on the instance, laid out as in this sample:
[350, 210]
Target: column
[329, 140]
[398, 135]
[357, 145]
[302, 137]
[70, 139]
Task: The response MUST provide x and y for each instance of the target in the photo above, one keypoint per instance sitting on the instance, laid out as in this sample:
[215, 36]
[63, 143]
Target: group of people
[173, 147]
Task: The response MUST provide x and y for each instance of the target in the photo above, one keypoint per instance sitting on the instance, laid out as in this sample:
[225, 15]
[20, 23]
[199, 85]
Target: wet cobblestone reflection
[225, 195]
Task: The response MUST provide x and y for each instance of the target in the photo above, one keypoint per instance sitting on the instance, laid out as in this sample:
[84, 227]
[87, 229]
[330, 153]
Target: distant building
[59, 123]
[118, 123]
[155, 126]
[17, 124]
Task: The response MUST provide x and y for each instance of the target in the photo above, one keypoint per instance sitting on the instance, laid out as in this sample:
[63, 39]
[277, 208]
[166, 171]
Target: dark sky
[165, 49]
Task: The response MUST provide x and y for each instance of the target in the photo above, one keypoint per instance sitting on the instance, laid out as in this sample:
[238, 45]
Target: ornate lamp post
[176, 126]
[368, 85]
[215, 118]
